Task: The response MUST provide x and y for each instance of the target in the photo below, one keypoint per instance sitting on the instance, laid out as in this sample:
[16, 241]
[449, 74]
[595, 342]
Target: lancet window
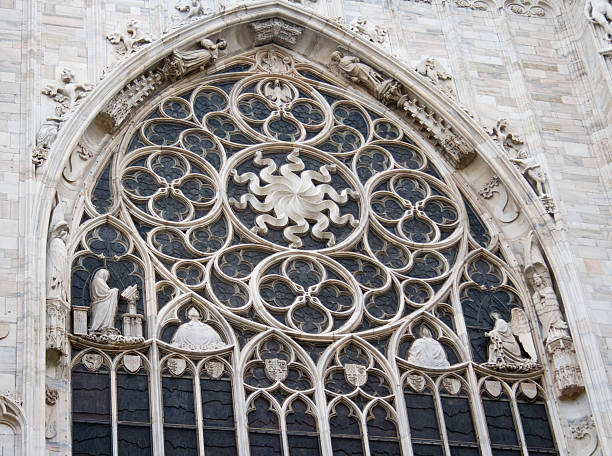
[266, 263]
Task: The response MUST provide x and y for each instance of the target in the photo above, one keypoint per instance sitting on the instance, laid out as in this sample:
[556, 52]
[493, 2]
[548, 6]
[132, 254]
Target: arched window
[266, 264]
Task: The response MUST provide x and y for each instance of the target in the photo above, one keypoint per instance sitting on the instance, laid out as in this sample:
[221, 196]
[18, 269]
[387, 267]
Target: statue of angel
[599, 12]
[504, 349]
[69, 92]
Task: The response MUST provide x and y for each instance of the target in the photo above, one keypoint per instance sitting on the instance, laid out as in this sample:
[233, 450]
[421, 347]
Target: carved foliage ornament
[276, 30]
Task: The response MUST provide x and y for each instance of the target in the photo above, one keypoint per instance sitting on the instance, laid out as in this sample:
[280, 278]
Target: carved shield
[92, 361]
[452, 385]
[416, 382]
[276, 369]
[214, 369]
[529, 389]
[493, 387]
[176, 365]
[132, 362]
[355, 374]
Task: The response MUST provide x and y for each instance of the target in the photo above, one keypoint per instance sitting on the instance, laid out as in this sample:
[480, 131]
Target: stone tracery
[218, 184]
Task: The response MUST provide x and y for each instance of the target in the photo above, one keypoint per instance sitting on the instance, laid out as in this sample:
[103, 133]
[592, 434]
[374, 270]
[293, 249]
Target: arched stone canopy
[319, 39]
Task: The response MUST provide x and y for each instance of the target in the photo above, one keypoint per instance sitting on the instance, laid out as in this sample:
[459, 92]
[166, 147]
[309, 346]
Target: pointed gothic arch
[461, 152]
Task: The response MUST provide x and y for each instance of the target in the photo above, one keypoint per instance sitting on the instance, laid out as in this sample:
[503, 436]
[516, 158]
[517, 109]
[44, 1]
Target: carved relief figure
[426, 351]
[357, 72]
[377, 34]
[129, 41]
[195, 335]
[103, 303]
[193, 9]
[504, 349]
[56, 261]
[433, 70]
[599, 12]
[199, 58]
[507, 139]
[67, 93]
[530, 169]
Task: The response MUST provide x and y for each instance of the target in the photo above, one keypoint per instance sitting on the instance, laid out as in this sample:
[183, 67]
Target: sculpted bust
[195, 335]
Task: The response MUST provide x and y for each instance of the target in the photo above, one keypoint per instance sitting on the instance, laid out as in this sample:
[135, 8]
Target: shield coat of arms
[276, 369]
[355, 374]
[176, 365]
[92, 361]
[132, 362]
[214, 369]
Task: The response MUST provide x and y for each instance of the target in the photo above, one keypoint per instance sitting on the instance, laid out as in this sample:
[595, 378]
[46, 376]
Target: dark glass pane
[497, 452]
[101, 195]
[343, 423]
[379, 425]
[464, 451]
[298, 420]
[217, 405]
[385, 448]
[422, 416]
[178, 400]
[132, 397]
[458, 419]
[343, 446]
[500, 422]
[303, 445]
[180, 441]
[427, 450]
[264, 444]
[134, 440]
[90, 439]
[263, 417]
[535, 425]
[90, 396]
[219, 442]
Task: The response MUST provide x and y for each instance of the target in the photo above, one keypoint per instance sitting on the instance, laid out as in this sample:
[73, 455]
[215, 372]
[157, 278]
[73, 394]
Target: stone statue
[131, 40]
[357, 72]
[531, 170]
[599, 12]
[193, 9]
[376, 34]
[69, 92]
[426, 351]
[187, 61]
[507, 139]
[103, 303]
[57, 255]
[433, 70]
[196, 335]
[547, 307]
[504, 349]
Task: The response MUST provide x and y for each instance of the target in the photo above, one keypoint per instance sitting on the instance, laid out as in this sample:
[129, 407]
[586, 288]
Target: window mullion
[199, 412]
[157, 428]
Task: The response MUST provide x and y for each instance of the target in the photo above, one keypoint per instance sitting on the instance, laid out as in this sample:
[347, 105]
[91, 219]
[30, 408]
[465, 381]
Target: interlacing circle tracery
[318, 239]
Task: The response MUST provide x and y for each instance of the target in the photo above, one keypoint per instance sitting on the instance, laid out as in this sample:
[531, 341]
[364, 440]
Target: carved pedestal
[132, 324]
[57, 315]
[566, 372]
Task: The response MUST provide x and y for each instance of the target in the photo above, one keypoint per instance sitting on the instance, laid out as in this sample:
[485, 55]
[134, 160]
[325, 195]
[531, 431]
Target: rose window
[286, 268]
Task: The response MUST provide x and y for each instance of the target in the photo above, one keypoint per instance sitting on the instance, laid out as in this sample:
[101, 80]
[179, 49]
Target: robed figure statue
[103, 303]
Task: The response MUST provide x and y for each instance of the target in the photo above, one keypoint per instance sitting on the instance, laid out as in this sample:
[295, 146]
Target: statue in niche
[547, 307]
[532, 172]
[195, 335]
[426, 351]
[599, 12]
[103, 304]
[357, 72]
[504, 349]
[186, 61]
[57, 254]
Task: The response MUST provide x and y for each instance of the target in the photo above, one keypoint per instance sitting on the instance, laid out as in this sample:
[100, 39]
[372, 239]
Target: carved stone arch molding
[463, 158]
